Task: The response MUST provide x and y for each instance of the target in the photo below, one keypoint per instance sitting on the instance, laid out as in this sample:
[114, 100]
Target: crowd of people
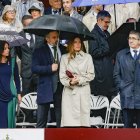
[65, 74]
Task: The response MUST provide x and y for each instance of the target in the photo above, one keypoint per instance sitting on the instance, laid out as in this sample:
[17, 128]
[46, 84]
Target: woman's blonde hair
[71, 50]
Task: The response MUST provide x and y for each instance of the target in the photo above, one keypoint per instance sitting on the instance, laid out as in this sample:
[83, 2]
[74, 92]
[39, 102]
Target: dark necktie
[31, 41]
[135, 54]
[55, 54]
[55, 11]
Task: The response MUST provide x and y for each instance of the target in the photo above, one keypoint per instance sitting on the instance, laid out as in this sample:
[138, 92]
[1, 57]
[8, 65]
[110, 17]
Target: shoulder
[124, 51]
[65, 56]
[41, 49]
[87, 55]
[77, 15]
[48, 11]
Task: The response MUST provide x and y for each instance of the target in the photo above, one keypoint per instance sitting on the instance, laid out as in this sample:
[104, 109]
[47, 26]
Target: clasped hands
[74, 81]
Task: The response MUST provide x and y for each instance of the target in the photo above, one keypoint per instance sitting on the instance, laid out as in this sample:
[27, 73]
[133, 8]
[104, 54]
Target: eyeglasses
[106, 22]
[11, 12]
[133, 38]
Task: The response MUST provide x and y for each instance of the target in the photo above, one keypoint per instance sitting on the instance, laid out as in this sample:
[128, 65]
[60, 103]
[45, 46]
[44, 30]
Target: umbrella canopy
[67, 27]
[13, 38]
[78, 3]
[118, 40]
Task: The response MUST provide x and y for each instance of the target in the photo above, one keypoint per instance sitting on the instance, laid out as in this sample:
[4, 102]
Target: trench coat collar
[81, 53]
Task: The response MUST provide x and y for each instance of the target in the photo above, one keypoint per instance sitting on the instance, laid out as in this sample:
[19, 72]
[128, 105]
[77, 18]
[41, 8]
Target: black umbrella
[118, 40]
[67, 27]
[13, 38]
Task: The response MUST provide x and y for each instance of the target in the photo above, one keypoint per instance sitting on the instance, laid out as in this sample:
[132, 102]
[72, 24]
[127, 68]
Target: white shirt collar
[132, 51]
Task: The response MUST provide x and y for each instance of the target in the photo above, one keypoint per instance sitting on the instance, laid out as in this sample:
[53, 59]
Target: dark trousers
[43, 109]
[131, 116]
[57, 104]
[42, 115]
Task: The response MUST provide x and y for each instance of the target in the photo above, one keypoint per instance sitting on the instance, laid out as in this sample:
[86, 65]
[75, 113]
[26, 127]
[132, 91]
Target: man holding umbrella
[45, 63]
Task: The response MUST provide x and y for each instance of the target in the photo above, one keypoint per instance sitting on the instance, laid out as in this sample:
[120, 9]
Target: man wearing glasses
[99, 50]
[127, 80]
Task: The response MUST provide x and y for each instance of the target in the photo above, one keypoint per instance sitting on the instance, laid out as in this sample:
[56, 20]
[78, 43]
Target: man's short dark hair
[26, 17]
[102, 14]
[135, 32]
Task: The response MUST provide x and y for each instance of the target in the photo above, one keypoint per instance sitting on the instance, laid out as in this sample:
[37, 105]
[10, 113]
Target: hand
[54, 67]
[19, 98]
[74, 81]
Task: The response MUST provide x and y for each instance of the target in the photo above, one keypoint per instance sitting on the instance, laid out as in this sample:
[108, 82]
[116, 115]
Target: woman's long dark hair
[2, 44]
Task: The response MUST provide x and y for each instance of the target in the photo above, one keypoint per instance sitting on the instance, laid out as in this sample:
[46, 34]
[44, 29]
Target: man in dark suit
[55, 8]
[45, 63]
[127, 80]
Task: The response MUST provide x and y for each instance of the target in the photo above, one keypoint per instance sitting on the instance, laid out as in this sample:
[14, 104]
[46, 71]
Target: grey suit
[29, 80]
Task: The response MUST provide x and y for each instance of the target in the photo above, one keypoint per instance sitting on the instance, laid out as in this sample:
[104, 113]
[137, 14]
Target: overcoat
[42, 61]
[76, 99]
[127, 79]
[99, 50]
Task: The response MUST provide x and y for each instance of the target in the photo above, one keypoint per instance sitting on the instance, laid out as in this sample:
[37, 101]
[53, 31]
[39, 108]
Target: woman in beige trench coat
[76, 92]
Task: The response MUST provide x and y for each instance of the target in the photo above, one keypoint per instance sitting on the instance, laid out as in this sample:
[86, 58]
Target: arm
[37, 68]
[17, 82]
[98, 48]
[17, 79]
[117, 73]
[19, 51]
[65, 80]
[89, 75]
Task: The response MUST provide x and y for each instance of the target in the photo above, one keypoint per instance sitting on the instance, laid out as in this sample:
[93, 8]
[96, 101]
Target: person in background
[90, 19]
[55, 9]
[129, 20]
[121, 12]
[67, 5]
[76, 71]
[9, 87]
[45, 63]
[99, 50]
[29, 80]
[8, 19]
[36, 10]
[127, 80]
[25, 51]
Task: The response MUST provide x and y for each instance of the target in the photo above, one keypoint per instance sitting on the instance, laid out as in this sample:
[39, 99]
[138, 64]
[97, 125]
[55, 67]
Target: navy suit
[48, 11]
[42, 65]
[127, 80]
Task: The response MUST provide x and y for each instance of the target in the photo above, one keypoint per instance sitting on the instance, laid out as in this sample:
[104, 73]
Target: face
[10, 14]
[6, 50]
[104, 23]
[52, 38]
[67, 5]
[35, 13]
[55, 4]
[27, 22]
[133, 41]
[77, 44]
